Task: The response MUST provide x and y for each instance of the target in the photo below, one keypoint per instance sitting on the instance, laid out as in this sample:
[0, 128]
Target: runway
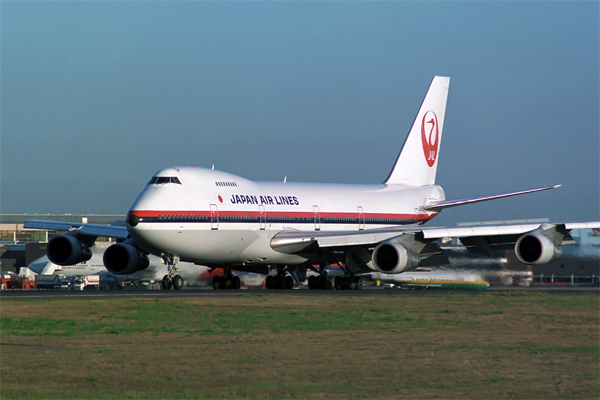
[365, 292]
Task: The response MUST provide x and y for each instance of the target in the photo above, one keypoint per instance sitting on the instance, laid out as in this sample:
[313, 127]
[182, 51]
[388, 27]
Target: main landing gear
[280, 281]
[348, 282]
[321, 282]
[285, 282]
[325, 282]
[228, 281]
[172, 279]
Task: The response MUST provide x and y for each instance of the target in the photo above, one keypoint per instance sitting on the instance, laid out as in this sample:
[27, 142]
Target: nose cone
[141, 212]
[137, 226]
[156, 198]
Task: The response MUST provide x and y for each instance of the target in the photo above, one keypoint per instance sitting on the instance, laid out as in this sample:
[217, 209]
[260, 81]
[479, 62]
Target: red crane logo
[430, 134]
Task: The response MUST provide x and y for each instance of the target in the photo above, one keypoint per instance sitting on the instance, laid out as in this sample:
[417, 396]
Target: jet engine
[123, 258]
[67, 250]
[534, 248]
[392, 258]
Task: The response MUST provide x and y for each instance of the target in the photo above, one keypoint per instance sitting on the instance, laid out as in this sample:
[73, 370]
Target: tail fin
[417, 162]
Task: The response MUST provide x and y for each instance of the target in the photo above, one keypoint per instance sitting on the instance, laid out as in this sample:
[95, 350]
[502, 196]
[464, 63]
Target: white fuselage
[211, 217]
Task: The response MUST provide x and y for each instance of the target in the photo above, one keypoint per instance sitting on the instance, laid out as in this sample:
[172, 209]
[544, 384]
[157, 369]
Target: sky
[95, 97]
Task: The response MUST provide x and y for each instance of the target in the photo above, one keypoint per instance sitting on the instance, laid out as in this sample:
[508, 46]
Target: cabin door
[263, 217]
[361, 219]
[214, 217]
[317, 218]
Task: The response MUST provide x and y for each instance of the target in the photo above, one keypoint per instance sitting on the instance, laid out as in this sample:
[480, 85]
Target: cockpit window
[161, 180]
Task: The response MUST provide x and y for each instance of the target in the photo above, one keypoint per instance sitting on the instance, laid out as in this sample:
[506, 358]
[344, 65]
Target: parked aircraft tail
[417, 162]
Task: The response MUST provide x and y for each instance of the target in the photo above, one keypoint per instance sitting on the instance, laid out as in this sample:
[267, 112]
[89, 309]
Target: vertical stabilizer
[417, 162]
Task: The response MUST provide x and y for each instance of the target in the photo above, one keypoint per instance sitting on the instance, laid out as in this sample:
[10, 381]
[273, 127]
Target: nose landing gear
[172, 279]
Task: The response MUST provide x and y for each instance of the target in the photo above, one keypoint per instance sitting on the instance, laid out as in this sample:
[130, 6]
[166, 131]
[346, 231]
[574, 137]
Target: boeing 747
[221, 220]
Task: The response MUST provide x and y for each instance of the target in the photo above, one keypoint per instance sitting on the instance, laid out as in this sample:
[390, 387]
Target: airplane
[460, 280]
[95, 266]
[222, 220]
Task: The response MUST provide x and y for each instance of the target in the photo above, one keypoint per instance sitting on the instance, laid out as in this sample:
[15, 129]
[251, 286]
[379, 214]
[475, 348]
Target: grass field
[434, 345]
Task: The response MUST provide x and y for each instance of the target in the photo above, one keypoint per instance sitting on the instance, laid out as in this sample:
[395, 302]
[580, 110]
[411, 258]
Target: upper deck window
[161, 180]
[229, 184]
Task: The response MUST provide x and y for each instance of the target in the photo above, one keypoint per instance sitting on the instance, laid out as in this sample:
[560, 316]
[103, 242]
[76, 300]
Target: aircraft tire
[279, 282]
[270, 282]
[177, 282]
[216, 283]
[236, 283]
[322, 283]
[338, 283]
[330, 283]
[312, 282]
[288, 282]
[358, 283]
[166, 283]
[226, 283]
[350, 285]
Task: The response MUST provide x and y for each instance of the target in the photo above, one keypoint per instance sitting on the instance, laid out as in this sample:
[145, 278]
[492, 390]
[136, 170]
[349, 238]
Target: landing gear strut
[172, 279]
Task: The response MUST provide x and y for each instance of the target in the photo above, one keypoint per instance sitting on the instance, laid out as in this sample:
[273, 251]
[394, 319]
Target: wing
[398, 250]
[117, 230]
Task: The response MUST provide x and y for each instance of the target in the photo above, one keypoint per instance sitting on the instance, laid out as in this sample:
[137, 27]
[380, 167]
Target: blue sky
[97, 96]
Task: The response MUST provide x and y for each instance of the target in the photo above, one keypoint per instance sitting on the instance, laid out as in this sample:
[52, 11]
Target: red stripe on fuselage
[295, 214]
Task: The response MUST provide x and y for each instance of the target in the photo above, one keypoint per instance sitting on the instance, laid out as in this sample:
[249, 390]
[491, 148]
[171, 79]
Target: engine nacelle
[123, 258]
[534, 248]
[392, 258]
[67, 250]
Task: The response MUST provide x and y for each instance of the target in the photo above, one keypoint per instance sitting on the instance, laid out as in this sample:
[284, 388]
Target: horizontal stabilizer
[440, 205]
